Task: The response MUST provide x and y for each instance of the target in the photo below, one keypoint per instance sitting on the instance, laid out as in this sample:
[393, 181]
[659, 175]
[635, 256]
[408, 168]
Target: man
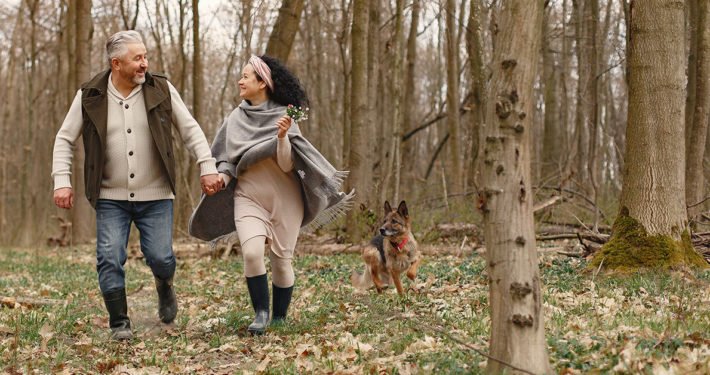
[125, 116]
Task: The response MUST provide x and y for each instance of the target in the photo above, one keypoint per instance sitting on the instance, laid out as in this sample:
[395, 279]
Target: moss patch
[631, 248]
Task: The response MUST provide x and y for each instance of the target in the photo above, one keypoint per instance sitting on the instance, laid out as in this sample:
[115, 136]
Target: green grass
[656, 319]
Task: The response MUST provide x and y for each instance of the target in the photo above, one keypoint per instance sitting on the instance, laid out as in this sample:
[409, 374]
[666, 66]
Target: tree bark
[698, 129]
[474, 42]
[506, 201]
[551, 150]
[452, 98]
[392, 170]
[373, 82]
[409, 150]
[198, 86]
[82, 215]
[651, 230]
[358, 159]
[693, 33]
[285, 29]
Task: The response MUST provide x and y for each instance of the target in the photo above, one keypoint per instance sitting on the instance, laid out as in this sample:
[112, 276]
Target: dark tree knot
[523, 320]
[503, 109]
[509, 64]
[519, 291]
[513, 96]
[520, 240]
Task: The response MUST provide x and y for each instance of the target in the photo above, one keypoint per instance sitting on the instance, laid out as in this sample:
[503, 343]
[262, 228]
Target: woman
[276, 181]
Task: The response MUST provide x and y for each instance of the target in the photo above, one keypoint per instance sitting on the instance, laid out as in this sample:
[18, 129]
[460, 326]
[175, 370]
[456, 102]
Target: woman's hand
[284, 123]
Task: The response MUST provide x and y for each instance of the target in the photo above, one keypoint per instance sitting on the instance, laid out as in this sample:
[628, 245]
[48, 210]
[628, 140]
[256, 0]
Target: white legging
[253, 253]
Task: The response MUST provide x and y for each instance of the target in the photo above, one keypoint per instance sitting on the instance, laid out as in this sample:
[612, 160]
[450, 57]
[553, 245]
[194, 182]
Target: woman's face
[249, 86]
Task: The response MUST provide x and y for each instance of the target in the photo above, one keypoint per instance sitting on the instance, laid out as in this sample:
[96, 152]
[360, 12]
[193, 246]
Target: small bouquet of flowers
[297, 113]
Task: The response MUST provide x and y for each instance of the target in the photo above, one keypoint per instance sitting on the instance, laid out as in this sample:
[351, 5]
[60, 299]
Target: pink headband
[262, 70]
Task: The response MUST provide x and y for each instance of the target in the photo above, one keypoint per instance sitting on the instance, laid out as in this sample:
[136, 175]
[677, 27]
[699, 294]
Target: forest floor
[52, 318]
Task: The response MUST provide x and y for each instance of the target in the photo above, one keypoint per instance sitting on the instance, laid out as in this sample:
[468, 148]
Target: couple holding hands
[261, 178]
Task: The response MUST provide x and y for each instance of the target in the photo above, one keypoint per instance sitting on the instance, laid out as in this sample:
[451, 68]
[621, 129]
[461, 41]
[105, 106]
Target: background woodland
[398, 92]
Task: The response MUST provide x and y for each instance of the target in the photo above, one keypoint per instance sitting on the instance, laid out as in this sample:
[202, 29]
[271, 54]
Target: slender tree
[198, 85]
[452, 97]
[551, 150]
[358, 160]
[409, 95]
[517, 338]
[82, 216]
[698, 128]
[651, 230]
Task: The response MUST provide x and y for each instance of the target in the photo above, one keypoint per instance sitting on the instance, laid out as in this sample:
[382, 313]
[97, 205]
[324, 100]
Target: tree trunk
[506, 200]
[198, 85]
[693, 33]
[698, 128]
[373, 82]
[478, 82]
[394, 161]
[551, 150]
[83, 218]
[584, 108]
[358, 162]
[409, 149]
[452, 98]
[651, 230]
[285, 29]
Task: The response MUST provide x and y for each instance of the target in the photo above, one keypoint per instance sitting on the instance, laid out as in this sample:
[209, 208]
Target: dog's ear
[402, 209]
[388, 208]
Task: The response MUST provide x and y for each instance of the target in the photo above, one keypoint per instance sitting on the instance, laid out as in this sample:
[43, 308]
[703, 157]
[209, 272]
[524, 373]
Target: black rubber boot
[282, 299]
[259, 292]
[117, 307]
[167, 302]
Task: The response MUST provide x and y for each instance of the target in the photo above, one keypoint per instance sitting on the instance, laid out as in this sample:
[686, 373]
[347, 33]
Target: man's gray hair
[116, 43]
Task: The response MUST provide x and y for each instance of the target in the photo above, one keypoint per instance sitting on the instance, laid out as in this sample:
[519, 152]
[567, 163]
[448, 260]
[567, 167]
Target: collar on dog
[400, 246]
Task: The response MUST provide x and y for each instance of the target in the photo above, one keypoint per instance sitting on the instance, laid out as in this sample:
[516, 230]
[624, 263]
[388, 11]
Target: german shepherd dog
[389, 253]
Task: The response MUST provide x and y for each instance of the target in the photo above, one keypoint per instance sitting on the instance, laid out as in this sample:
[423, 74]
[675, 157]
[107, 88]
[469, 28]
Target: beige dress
[267, 202]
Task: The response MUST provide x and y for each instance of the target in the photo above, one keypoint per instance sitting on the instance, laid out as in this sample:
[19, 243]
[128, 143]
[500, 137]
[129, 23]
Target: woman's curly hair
[287, 87]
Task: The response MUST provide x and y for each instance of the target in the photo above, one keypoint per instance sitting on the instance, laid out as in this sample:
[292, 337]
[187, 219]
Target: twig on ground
[11, 302]
[469, 346]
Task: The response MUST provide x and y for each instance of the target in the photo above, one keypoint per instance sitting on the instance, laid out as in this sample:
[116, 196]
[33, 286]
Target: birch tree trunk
[285, 29]
[698, 129]
[651, 230]
[517, 322]
[358, 159]
[82, 214]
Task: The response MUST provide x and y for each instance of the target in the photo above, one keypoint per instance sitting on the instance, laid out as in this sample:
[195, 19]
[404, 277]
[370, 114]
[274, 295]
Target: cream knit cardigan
[133, 170]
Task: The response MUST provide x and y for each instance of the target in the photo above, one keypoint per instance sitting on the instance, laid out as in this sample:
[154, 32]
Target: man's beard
[138, 80]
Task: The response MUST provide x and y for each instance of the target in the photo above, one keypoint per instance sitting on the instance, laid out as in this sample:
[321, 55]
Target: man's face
[133, 65]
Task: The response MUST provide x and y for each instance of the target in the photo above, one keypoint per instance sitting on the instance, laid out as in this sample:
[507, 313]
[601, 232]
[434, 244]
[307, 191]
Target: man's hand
[211, 183]
[64, 197]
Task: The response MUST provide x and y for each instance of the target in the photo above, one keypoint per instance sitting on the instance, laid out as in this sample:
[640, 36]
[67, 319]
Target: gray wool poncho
[247, 136]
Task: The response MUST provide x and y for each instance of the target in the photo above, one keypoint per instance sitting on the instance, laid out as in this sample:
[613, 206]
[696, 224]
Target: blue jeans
[154, 220]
